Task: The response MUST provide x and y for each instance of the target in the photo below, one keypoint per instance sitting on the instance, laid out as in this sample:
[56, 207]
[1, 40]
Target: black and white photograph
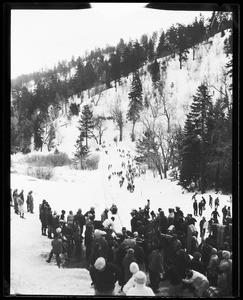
[122, 177]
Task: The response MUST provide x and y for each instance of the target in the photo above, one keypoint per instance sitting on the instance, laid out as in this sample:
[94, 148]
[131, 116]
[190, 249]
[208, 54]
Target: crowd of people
[157, 248]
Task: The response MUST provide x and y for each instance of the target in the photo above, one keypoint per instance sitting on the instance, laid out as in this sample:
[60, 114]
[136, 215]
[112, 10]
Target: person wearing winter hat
[140, 288]
[131, 282]
[104, 276]
[226, 262]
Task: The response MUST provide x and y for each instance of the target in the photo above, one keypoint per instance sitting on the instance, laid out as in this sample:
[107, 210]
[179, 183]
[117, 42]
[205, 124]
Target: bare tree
[119, 117]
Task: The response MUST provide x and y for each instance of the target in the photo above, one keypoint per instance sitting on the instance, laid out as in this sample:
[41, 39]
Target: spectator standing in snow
[89, 235]
[210, 201]
[57, 247]
[30, 202]
[140, 288]
[104, 276]
[216, 202]
[215, 215]
[156, 267]
[200, 208]
[195, 207]
[70, 218]
[224, 212]
[81, 220]
[15, 196]
[20, 201]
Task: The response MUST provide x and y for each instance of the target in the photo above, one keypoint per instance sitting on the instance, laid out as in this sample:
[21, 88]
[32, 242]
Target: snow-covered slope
[208, 68]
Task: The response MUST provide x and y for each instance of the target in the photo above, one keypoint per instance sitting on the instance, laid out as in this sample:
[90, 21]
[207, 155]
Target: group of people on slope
[17, 201]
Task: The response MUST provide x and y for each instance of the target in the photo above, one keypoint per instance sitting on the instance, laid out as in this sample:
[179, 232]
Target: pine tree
[136, 102]
[86, 123]
[181, 44]
[82, 151]
[154, 70]
[195, 142]
[162, 46]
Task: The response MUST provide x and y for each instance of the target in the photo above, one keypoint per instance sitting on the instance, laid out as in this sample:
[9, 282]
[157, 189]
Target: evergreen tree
[181, 44]
[86, 123]
[195, 142]
[136, 102]
[154, 70]
[82, 151]
[162, 46]
[115, 69]
[150, 51]
[171, 39]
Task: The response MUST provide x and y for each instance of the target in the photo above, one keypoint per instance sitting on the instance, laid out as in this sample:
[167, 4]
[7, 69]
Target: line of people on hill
[163, 247]
[17, 201]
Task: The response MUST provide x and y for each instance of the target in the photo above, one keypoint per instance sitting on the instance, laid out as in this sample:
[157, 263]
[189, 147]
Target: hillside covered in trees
[134, 87]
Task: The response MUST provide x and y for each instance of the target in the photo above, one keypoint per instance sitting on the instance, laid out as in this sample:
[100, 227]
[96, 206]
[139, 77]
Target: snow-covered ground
[30, 274]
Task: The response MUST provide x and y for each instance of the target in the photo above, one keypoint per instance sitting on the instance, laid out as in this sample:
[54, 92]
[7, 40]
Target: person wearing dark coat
[30, 202]
[15, 196]
[128, 259]
[91, 211]
[104, 276]
[89, 235]
[80, 218]
[172, 274]
[120, 255]
[215, 215]
[200, 208]
[182, 262]
[196, 264]
[163, 222]
[57, 248]
[100, 239]
[140, 256]
[195, 207]
[156, 267]
[224, 212]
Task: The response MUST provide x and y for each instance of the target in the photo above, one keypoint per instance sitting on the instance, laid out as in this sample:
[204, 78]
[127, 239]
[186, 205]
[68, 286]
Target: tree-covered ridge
[195, 153]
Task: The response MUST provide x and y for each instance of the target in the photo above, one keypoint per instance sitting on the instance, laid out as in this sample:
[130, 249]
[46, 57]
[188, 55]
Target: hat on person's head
[58, 230]
[134, 268]
[226, 254]
[224, 266]
[124, 228]
[130, 251]
[140, 277]
[213, 251]
[197, 255]
[99, 263]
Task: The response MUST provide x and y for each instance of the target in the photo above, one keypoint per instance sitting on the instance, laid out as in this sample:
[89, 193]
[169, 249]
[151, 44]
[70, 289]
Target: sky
[39, 38]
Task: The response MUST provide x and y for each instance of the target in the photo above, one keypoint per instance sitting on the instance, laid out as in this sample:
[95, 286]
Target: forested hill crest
[146, 107]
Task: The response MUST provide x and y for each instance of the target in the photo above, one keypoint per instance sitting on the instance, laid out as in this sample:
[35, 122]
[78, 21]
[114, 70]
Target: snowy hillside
[207, 68]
